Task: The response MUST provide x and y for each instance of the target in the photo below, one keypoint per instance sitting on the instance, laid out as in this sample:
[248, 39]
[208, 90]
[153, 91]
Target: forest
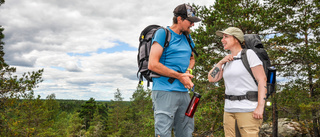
[289, 29]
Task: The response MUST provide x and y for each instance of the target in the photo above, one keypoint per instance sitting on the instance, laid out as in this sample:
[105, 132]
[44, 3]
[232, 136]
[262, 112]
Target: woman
[238, 81]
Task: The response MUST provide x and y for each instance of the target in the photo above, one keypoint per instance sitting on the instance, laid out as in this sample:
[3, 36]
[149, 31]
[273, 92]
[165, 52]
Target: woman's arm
[215, 74]
[261, 78]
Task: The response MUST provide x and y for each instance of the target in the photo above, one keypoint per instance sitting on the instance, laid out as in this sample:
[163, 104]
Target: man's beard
[187, 32]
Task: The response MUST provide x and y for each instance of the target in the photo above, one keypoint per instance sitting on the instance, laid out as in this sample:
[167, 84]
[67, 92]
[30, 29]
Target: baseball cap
[234, 31]
[186, 11]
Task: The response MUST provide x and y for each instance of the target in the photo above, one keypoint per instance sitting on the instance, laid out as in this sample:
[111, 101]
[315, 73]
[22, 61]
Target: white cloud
[63, 37]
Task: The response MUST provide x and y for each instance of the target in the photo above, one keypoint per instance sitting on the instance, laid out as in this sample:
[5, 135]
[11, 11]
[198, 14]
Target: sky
[88, 49]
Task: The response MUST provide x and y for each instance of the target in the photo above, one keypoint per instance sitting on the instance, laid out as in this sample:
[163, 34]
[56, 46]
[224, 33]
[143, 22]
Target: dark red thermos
[193, 104]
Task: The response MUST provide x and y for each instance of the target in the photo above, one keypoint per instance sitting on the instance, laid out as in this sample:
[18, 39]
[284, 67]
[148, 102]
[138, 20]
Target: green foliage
[116, 114]
[97, 127]
[118, 96]
[87, 112]
[251, 17]
[70, 105]
[133, 119]
[76, 125]
[29, 117]
[94, 116]
[61, 124]
[12, 88]
[209, 115]
[297, 58]
[290, 32]
[141, 113]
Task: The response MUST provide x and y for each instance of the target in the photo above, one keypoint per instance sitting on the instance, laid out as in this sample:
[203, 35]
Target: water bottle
[271, 78]
[193, 104]
[271, 81]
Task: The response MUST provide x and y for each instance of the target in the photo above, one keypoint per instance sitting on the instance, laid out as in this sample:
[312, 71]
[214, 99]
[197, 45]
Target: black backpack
[145, 40]
[253, 42]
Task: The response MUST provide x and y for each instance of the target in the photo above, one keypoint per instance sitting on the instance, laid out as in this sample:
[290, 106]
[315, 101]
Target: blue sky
[87, 48]
[119, 47]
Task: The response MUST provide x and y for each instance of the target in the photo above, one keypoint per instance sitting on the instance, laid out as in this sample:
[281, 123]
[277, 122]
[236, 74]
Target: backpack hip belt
[250, 95]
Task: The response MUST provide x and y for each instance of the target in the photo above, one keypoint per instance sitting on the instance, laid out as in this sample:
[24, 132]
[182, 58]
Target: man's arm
[192, 62]
[155, 66]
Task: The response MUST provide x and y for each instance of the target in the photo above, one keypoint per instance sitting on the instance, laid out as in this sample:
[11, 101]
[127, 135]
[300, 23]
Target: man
[170, 91]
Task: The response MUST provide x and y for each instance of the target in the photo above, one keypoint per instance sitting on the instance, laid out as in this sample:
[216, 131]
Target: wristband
[190, 71]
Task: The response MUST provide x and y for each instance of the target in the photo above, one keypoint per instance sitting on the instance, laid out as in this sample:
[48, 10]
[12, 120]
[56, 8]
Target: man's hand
[185, 79]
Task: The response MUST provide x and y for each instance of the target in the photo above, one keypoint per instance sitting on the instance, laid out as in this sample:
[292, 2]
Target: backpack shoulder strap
[189, 40]
[168, 37]
[245, 62]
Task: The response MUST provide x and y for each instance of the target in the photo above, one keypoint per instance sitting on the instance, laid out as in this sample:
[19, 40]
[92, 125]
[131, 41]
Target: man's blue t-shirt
[176, 57]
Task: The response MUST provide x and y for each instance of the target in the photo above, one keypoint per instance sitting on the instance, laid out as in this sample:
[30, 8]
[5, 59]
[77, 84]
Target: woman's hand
[226, 59]
[258, 113]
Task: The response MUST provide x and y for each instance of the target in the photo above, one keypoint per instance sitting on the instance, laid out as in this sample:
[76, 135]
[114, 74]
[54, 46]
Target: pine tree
[12, 88]
[297, 43]
[250, 16]
[87, 111]
[76, 126]
[61, 124]
[97, 127]
[140, 115]
[116, 114]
